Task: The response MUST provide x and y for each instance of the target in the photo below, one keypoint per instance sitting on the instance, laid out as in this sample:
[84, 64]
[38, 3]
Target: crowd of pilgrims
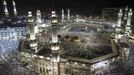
[9, 41]
[8, 45]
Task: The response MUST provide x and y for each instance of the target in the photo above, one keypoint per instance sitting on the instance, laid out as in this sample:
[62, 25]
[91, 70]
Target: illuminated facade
[50, 65]
[126, 21]
[53, 64]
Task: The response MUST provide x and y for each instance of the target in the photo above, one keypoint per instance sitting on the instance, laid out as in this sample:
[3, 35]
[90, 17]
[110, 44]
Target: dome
[76, 39]
[67, 38]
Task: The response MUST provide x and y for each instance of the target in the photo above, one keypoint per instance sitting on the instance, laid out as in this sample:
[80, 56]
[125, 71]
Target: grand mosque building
[69, 44]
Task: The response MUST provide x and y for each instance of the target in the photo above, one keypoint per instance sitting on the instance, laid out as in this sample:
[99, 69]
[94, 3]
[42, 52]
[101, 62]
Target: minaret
[119, 20]
[128, 25]
[5, 9]
[68, 15]
[55, 47]
[31, 27]
[77, 18]
[38, 16]
[30, 17]
[32, 38]
[54, 31]
[14, 8]
[63, 16]
[126, 12]
[118, 27]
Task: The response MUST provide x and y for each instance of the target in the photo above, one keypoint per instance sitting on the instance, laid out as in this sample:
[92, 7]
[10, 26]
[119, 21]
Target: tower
[128, 25]
[119, 20]
[55, 47]
[68, 15]
[14, 8]
[38, 16]
[5, 9]
[54, 42]
[32, 28]
[30, 17]
[126, 13]
[118, 27]
[77, 18]
[62, 16]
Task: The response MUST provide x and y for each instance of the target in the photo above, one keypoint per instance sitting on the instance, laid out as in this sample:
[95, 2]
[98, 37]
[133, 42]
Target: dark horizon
[76, 5]
[71, 4]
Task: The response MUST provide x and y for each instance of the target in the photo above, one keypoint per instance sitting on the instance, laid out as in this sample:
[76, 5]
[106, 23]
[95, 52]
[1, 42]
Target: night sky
[76, 4]
[73, 3]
